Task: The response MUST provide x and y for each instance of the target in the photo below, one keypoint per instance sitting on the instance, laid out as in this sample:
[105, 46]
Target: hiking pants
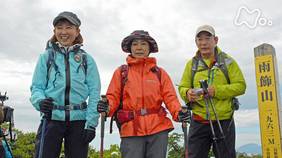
[57, 131]
[2, 149]
[152, 146]
[200, 139]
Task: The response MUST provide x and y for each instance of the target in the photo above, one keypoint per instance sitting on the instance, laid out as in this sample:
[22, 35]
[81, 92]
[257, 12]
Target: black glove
[1, 133]
[89, 135]
[46, 106]
[184, 116]
[103, 106]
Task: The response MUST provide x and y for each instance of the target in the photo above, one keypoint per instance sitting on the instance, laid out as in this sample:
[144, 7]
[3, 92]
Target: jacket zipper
[142, 84]
[67, 90]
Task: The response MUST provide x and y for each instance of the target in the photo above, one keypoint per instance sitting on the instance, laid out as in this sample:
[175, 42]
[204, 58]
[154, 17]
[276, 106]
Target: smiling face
[206, 44]
[140, 48]
[66, 32]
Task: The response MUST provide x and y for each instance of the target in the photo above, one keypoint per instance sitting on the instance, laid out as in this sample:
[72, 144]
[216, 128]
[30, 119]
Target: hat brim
[208, 31]
[69, 18]
[126, 43]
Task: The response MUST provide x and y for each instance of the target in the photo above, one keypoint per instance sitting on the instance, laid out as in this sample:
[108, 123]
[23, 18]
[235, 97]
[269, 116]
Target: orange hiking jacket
[143, 90]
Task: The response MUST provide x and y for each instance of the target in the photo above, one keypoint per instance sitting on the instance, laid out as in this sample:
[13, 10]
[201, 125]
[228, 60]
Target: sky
[241, 25]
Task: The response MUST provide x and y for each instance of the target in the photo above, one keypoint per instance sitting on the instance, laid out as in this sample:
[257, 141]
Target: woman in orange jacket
[135, 96]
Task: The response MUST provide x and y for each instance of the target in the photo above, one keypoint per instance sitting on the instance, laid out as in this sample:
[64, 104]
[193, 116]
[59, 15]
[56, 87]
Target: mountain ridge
[250, 148]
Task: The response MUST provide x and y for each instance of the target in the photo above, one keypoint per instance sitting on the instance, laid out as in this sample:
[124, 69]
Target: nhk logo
[250, 18]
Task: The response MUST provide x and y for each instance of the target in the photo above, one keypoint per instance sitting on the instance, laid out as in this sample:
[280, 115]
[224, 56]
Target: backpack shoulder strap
[156, 70]
[50, 62]
[51, 49]
[222, 65]
[84, 60]
[223, 60]
[194, 68]
[50, 59]
[123, 74]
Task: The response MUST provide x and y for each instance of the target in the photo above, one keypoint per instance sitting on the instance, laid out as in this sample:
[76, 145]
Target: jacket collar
[65, 49]
[147, 61]
[58, 47]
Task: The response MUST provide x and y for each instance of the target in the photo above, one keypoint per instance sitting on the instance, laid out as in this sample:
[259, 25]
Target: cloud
[104, 24]
[247, 118]
[25, 30]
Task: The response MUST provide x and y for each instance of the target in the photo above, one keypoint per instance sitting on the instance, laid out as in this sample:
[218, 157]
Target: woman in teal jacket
[64, 78]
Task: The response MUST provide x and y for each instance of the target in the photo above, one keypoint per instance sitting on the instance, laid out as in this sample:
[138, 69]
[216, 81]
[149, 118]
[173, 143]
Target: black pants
[200, 140]
[2, 150]
[57, 131]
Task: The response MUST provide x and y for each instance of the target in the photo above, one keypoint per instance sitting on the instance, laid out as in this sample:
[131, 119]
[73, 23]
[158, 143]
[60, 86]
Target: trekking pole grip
[104, 99]
[184, 110]
[184, 129]
[103, 119]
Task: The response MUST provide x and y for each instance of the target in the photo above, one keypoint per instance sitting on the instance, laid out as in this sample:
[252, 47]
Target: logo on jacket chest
[151, 81]
[77, 57]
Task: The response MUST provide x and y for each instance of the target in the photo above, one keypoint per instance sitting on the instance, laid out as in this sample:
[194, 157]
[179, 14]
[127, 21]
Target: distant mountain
[250, 149]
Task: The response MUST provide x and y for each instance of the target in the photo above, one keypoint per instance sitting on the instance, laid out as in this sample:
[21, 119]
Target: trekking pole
[216, 117]
[184, 129]
[41, 145]
[204, 85]
[103, 119]
[220, 127]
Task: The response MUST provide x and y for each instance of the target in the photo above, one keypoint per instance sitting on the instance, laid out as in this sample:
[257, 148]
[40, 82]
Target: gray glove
[103, 106]
[184, 116]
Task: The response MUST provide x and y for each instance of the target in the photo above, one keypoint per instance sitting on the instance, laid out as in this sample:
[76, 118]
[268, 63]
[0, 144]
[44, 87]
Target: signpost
[268, 100]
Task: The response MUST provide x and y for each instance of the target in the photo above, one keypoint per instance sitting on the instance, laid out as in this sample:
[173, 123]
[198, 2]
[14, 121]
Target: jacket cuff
[36, 102]
[88, 126]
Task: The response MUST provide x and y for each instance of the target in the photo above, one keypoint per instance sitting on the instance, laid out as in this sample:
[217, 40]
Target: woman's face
[66, 32]
[140, 48]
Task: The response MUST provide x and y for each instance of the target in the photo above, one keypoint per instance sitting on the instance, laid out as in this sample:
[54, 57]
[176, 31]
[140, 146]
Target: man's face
[140, 48]
[66, 32]
[206, 44]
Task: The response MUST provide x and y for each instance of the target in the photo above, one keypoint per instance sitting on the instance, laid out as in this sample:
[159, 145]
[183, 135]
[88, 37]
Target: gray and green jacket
[224, 92]
[67, 84]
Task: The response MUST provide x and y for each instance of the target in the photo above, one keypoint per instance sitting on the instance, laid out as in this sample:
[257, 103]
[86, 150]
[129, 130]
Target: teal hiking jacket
[68, 83]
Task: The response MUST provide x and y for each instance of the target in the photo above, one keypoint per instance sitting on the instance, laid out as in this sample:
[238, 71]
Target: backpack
[124, 74]
[51, 60]
[1, 114]
[6, 115]
[220, 59]
[5, 149]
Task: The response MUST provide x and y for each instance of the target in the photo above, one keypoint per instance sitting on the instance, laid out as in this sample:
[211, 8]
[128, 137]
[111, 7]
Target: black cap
[71, 17]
